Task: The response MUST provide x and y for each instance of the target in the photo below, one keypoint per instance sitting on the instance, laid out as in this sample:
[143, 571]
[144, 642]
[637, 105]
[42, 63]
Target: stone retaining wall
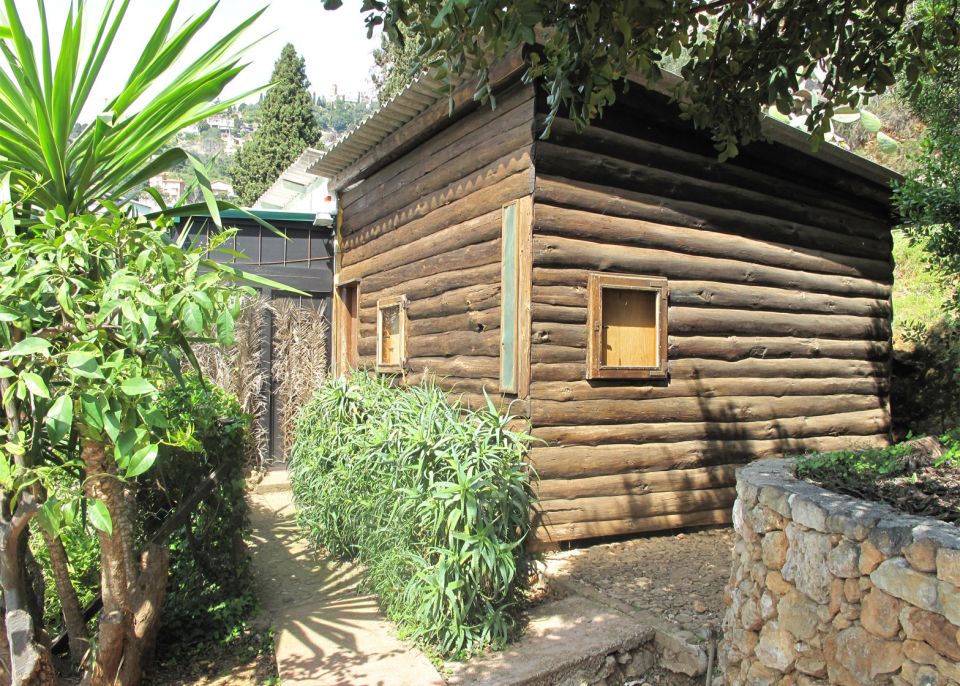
[827, 588]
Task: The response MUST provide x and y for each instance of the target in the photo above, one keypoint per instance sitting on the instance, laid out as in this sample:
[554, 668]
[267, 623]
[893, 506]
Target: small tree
[94, 312]
[287, 126]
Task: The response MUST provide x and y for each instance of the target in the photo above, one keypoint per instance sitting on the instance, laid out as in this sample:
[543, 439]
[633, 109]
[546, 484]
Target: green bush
[433, 499]
[209, 594]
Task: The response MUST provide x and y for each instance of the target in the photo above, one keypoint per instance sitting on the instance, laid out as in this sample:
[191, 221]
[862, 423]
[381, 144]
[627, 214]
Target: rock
[932, 628]
[948, 566]
[750, 616]
[805, 566]
[768, 606]
[698, 606]
[853, 656]
[776, 583]
[776, 499]
[761, 675]
[776, 648]
[920, 652]
[870, 557]
[922, 555]
[897, 578]
[679, 656]
[774, 549]
[798, 615]
[891, 536]
[811, 665]
[950, 602]
[921, 675]
[844, 560]
[807, 512]
[851, 590]
[880, 614]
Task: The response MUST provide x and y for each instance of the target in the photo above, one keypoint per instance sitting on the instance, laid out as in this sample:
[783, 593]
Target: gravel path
[679, 577]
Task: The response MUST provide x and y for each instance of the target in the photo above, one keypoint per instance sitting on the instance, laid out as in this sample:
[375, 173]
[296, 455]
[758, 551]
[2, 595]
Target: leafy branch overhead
[740, 57]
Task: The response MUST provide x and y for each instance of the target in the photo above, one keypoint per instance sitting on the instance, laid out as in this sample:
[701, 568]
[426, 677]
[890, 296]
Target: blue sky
[334, 44]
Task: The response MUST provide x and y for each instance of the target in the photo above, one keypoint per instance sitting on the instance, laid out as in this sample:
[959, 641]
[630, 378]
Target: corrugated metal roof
[425, 91]
[420, 95]
[292, 182]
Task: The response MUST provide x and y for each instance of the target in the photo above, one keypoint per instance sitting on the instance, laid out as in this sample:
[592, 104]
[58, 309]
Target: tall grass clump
[433, 499]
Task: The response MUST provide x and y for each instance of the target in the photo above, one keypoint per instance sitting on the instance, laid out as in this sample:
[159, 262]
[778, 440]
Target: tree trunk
[133, 591]
[30, 662]
[72, 612]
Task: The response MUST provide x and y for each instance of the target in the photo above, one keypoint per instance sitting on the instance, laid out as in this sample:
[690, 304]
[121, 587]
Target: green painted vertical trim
[509, 286]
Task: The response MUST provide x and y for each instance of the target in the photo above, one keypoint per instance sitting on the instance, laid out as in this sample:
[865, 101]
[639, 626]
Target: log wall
[779, 317]
[427, 226]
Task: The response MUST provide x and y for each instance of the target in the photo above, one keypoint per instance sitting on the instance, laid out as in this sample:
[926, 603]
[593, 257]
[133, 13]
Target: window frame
[347, 322]
[399, 301]
[596, 282]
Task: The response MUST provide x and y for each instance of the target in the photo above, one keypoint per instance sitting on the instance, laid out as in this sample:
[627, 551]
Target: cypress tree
[287, 126]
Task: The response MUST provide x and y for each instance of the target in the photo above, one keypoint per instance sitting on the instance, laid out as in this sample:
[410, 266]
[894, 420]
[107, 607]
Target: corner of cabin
[776, 275]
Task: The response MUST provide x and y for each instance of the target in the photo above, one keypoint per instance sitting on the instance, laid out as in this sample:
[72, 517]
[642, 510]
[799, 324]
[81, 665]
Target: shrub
[209, 594]
[433, 499]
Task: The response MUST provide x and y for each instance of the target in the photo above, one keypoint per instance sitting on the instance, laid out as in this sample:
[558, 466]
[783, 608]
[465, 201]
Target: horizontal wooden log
[743, 347]
[704, 388]
[749, 368]
[476, 321]
[572, 295]
[555, 251]
[724, 410]
[564, 306]
[485, 151]
[463, 366]
[435, 285]
[734, 348]
[637, 483]
[455, 301]
[474, 231]
[545, 537]
[462, 258]
[463, 137]
[596, 139]
[567, 325]
[558, 160]
[448, 344]
[382, 238]
[507, 166]
[856, 423]
[453, 384]
[584, 225]
[563, 511]
[576, 462]
[696, 214]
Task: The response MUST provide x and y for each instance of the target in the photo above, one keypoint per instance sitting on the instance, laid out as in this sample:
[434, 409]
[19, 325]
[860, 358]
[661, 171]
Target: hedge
[431, 498]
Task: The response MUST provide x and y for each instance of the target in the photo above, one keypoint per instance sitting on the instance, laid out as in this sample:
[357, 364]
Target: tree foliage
[340, 115]
[929, 197]
[287, 126]
[744, 56]
[395, 64]
[52, 158]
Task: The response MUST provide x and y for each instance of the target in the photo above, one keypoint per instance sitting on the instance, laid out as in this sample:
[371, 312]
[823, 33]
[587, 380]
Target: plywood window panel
[627, 324]
[391, 333]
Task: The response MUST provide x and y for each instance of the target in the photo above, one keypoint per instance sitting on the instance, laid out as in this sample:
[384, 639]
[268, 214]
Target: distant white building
[297, 190]
[222, 188]
[224, 122]
[170, 187]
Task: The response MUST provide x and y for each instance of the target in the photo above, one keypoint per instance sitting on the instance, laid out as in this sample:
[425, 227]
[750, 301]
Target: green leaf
[887, 145]
[49, 517]
[192, 317]
[6, 373]
[142, 460]
[870, 121]
[59, 419]
[28, 346]
[84, 363]
[35, 384]
[100, 516]
[137, 385]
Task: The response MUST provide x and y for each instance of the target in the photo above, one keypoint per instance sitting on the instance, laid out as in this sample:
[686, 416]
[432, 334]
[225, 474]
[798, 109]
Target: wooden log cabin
[659, 317]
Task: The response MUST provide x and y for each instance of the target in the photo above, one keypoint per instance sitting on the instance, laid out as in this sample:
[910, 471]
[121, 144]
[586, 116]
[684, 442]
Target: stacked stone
[828, 589]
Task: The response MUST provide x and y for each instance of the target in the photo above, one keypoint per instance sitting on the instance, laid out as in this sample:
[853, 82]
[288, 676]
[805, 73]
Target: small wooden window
[391, 333]
[627, 324]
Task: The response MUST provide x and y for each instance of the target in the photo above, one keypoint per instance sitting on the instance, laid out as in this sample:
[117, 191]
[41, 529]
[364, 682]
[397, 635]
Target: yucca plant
[54, 160]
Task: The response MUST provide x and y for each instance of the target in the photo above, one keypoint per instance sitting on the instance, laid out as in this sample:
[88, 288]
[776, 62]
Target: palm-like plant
[42, 97]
